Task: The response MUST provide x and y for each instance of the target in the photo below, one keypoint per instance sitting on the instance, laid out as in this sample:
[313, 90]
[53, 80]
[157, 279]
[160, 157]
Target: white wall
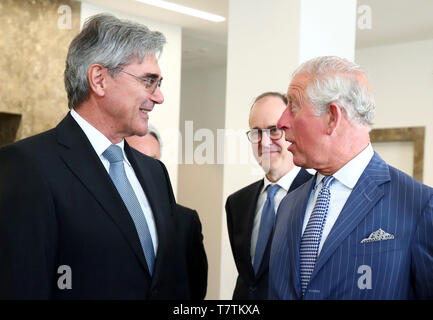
[401, 78]
[327, 28]
[200, 185]
[164, 117]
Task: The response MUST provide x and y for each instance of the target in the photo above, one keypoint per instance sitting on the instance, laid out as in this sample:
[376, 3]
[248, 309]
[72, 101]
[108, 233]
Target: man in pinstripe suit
[375, 234]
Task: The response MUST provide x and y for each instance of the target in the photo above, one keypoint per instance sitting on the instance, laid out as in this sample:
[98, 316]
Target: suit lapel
[366, 193]
[79, 156]
[162, 218]
[296, 219]
[250, 210]
[302, 177]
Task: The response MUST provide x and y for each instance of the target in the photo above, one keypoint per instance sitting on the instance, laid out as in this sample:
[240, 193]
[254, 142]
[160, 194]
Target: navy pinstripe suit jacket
[400, 268]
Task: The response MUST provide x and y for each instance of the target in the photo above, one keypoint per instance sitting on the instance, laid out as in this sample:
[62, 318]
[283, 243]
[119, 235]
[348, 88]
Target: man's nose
[266, 140]
[283, 122]
[157, 96]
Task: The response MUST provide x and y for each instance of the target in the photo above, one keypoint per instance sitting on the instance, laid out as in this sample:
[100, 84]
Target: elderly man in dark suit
[76, 201]
[251, 211]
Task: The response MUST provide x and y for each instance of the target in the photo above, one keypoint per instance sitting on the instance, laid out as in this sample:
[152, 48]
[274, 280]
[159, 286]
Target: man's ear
[335, 114]
[97, 74]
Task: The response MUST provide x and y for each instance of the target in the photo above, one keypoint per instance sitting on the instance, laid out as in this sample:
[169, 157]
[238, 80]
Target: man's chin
[141, 131]
[269, 166]
[298, 161]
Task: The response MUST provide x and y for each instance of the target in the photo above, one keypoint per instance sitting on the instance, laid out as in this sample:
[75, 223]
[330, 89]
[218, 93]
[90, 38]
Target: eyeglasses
[149, 83]
[255, 135]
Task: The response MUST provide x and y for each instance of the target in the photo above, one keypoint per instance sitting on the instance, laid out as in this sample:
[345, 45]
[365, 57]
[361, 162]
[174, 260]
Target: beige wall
[33, 51]
[200, 185]
[401, 78]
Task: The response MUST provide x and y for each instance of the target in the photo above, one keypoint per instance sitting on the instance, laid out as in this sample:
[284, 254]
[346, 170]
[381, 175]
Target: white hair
[338, 80]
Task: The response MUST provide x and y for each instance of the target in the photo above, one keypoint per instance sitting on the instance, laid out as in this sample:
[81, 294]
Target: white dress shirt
[100, 143]
[341, 188]
[285, 182]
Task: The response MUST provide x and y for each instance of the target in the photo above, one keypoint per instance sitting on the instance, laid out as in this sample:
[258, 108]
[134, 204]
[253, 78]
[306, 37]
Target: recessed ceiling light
[185, 10]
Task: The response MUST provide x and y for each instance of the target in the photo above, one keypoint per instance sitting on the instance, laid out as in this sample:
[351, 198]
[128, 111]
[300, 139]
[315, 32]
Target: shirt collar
[285, 181]
[349, 174]
[99, 142]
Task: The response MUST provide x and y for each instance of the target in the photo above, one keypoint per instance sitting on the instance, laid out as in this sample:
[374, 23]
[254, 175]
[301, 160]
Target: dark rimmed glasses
[255, 135]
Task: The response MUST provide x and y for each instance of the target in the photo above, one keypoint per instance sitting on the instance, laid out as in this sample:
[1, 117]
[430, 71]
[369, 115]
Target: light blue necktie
[117, 172]
[313, 233]
[267, 223]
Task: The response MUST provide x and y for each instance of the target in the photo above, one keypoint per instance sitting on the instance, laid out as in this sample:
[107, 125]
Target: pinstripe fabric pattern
[313, 232]
[400, 268]
[117, 172]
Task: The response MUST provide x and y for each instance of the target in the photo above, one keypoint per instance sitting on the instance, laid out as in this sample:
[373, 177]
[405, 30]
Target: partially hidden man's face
[128, 100]
[147, 145]
[272, 155]
[303, 129]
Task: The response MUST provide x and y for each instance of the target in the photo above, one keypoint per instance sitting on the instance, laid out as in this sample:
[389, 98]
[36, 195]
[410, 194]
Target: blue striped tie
[266, 226]
[117, 172]
[313, 233]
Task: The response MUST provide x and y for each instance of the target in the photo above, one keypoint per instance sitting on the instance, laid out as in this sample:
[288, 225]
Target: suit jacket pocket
[377, 247]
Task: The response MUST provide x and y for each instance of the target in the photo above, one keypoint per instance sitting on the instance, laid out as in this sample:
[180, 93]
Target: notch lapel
[364, 196]
[79, 156]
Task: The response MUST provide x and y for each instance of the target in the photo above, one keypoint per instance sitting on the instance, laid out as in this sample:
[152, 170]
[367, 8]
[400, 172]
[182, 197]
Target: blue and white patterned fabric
[313, 233]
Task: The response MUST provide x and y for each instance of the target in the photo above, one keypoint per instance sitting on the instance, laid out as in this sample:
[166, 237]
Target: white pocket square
[378, 235]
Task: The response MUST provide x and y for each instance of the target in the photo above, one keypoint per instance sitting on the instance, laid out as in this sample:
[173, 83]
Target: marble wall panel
[9, 124]
[34, 40]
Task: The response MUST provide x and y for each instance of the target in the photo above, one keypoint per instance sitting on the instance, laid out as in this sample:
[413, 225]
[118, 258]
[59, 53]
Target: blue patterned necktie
[313, 232]
[117, 172]
[267, 223]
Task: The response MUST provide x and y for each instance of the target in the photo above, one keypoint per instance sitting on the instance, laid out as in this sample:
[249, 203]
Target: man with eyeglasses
[251, 211]
[82, 214]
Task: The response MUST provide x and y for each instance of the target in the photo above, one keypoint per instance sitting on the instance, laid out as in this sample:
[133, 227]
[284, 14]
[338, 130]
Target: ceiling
[395, 21]
[204, 43]
[217, 31]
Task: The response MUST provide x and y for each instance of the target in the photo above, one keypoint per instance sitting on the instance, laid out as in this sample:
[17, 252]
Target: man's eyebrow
[269, 127]
[151, 75]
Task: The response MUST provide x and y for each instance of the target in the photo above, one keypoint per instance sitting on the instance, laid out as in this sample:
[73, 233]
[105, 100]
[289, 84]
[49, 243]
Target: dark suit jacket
[58, 206]
[400, 267]
[195, 257]
[240, 209]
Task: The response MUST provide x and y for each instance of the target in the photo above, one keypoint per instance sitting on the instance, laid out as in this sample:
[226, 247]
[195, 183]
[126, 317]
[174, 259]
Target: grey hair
[154, 132]
[110, 42]
[338, 80]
